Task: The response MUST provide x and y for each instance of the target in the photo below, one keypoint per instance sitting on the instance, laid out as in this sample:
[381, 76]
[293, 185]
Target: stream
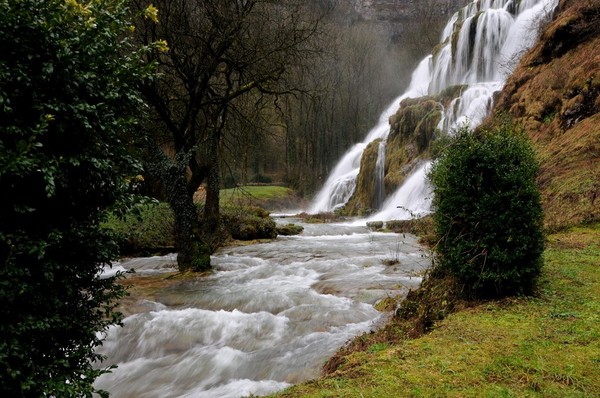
[269, 315]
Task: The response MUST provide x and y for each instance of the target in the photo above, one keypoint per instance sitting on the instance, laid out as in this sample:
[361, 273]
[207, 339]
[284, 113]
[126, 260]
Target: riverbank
[268, 315]
[541, 346]
[148, 230]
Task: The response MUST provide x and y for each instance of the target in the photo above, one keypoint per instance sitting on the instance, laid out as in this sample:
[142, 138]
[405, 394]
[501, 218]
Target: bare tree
[219, 51]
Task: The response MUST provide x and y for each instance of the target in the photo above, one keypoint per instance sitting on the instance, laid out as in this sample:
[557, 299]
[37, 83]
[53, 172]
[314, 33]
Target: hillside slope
[554, 94]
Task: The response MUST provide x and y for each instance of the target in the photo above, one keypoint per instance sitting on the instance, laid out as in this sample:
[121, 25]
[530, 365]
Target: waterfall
[341, 182]
[411, 200]
[470, 108]
[479, 48]
[380, 174]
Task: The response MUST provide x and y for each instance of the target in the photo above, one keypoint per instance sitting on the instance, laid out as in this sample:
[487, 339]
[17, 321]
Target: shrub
[488, 216]
[261, 179]
[249, 223]
[147, 231]
[68, 106]
[289, 229]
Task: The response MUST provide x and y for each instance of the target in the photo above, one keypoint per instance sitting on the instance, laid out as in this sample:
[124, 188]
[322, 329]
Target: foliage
[488, 216]
[221, 62]
[150, 231]
[261, 179]
[68, 79]
[148, 228]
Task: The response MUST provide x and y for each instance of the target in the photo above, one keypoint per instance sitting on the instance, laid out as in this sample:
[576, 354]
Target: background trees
[260, 91]
[223, 59]
[68, 96]
[365, 62]
[356, 77]
[488, 215]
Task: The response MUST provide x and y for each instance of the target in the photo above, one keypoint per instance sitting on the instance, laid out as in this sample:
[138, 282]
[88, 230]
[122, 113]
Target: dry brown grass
[555, 95]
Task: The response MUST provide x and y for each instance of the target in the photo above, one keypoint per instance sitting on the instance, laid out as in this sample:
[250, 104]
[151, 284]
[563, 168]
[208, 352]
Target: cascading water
[479, 47]
[411, 200]
[380, 174]
[341, 182]
[270, 315]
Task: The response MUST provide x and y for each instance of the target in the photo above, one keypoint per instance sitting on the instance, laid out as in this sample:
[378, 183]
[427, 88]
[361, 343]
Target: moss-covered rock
[289, 229]
[365, 198]
[412, 129]
[249, 223]
[375, 225]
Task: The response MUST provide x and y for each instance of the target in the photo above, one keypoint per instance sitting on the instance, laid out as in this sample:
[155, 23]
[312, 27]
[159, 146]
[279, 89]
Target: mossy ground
[540, 346]
[269, 197]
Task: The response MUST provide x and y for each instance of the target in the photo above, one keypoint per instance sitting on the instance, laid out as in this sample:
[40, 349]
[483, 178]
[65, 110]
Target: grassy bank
[541, 346]
[151, 231]
[268, 197]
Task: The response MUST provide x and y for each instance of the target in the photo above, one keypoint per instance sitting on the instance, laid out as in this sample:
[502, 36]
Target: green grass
[542, 346]
[259, 195]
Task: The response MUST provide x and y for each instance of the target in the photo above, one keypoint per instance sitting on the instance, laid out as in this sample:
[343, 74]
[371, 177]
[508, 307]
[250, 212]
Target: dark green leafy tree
[488, 214]
[68, 96]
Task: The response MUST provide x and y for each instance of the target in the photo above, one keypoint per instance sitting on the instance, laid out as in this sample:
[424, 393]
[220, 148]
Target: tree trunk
[193, 252]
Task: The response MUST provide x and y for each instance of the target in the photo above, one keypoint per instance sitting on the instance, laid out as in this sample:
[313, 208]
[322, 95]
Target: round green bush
[488, 215]
[249, 223]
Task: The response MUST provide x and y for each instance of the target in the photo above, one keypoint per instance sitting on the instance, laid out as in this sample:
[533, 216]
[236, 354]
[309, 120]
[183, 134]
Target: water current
[269, 316]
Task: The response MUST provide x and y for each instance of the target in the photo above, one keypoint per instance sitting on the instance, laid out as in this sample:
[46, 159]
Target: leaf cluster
[68, 103]
[488, 215]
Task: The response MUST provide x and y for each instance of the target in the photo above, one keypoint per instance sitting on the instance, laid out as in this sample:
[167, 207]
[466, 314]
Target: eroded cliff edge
[554, 95]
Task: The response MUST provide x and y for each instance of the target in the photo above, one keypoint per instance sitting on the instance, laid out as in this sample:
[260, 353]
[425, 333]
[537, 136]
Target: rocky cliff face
[383, 10]
[554, 93]
[403, 10]
[398, 16]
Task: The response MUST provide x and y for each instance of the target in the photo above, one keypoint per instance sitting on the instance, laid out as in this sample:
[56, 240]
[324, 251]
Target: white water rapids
[270, 315]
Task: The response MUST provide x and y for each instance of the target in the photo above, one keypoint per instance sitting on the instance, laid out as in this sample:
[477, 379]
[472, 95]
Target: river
[269, 315]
